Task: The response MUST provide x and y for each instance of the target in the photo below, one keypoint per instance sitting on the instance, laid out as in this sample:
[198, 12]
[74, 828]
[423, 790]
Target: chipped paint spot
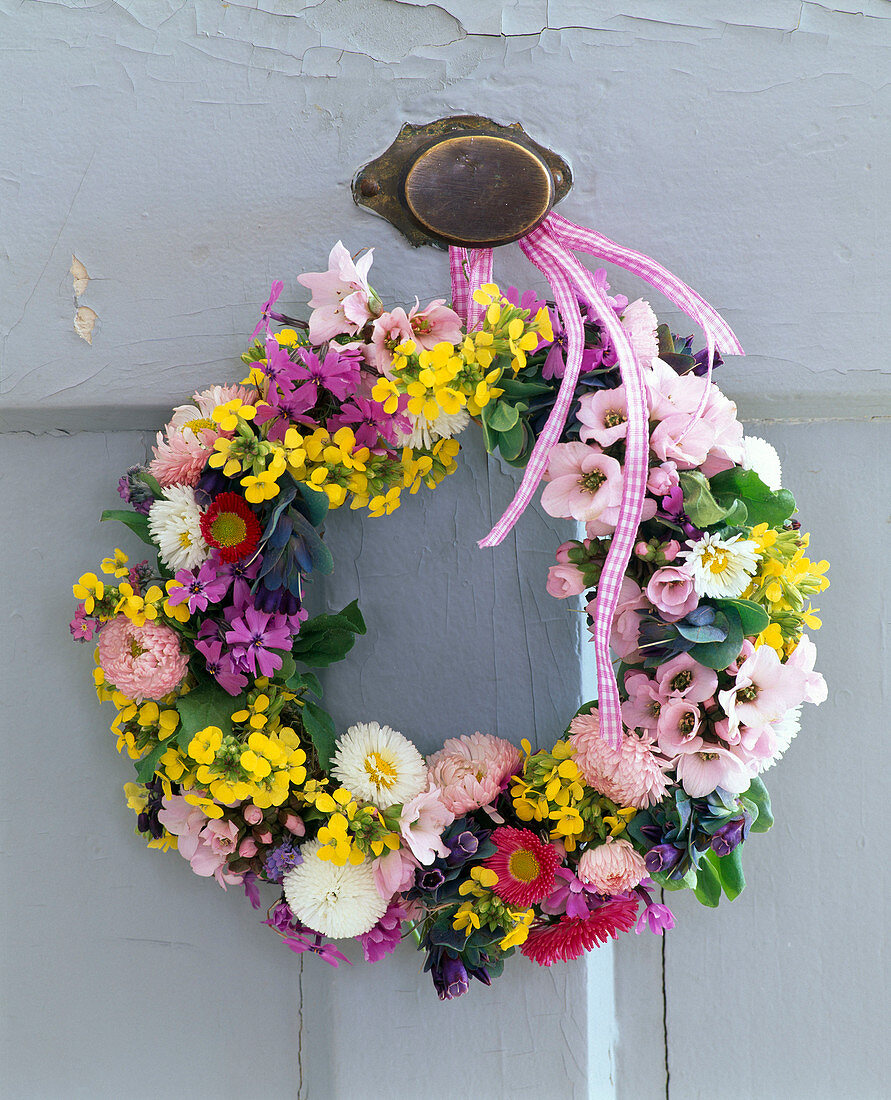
[79, 276]
[84, 321]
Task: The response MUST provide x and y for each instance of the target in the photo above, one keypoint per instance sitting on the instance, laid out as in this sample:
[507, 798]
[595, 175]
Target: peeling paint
[80, 279]
[84, 321]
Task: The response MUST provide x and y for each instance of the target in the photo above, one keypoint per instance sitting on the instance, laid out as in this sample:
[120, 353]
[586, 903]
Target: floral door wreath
[694, 573]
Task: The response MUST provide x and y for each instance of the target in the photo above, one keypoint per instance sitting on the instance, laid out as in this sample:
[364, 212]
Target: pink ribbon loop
[549, 247]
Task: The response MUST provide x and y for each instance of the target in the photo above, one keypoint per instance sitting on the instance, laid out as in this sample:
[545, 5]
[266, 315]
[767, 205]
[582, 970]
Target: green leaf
[316, 503]
[354, 615]
[305, 681]
[512, 442]
[516, 387]
[731, 874]
[699, 504]
[206, 705]
[137, 523]
[757, 793]
[700, 634]
[289, 666]
[718, 655]
[763, 505]
[145, 768]
[752, 616]
[328, 638]
[708, 884]
[152, 482]
[319, 725]
[502, 416]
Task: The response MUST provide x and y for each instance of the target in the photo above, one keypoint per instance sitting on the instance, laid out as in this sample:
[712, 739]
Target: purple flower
[134, 491]
[658, 918]
[570, 897]
[662, 858]
[461, 847]
[725, 839]
[449, 978]
[555, 360]
[249, 882]
[277, 287]
[338, 373]
[282, 859]
[240, 573]
[201, 588]
[431, 879]
[528, 300]
[299, 938]
[220, 665]
[253, 639]
[384, 938]
[371, 419]
[81, 627]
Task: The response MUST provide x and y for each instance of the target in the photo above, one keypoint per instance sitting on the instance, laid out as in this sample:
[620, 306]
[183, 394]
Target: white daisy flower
[761, 456]
[785, 730]
[380, 765]
[339, 902]
[722, 567]
[426, 432]
[175, 525]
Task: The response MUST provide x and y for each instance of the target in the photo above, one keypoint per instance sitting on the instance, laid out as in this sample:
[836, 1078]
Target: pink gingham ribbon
[549, 247]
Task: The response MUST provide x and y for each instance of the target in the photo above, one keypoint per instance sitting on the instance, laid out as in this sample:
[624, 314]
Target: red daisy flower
[524, 865]
[573, 936]
[230, 526]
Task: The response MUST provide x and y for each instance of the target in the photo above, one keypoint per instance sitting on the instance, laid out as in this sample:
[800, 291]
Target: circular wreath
[206, 650]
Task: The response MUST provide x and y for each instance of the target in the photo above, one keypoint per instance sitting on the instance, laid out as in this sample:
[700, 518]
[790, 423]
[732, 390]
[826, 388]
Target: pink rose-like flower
[604, 414]
[294, 824]
[340, 296]
[471, 770]
[394, 872]
[583, 483]
[253, 815]
[626, 623]
[677, 729]
[248, 847]
[222, 836]
[565, 581]
[144, 662]
[632, 775]
[434, 325]
[612, 867]
[662, 479]
[562, 553]
[195, 842]
[421, 825]
[671, 591]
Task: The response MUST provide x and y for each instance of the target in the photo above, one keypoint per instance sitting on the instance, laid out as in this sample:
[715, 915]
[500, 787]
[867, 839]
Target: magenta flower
[367, 419]
[583, 483]
[299, 938]
[384, 938]
[570, 896]
[199, 589]
[81, 627]
[221, 666]
[342, 301]
[528, 300]
[253, 638]
[277, 287]
[338, 373]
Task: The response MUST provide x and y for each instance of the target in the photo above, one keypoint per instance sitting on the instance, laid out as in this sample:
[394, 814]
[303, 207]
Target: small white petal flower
[426, 432]
[761, 456]
[785, 730]
[337, 901]
[378, 764]
[175, 525]
[722, 567]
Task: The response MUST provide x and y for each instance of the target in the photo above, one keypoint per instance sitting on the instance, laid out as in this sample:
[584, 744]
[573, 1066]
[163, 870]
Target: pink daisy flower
[524, 864]
[612, 867]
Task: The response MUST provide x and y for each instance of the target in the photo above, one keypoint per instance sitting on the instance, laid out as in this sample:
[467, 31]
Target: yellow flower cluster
[262, 767]
[784, 584]
[551, 789]
[482, 907]
[353, 830]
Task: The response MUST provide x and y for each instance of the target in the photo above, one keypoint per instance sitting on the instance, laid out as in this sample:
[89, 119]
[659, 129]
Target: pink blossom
[626, 622]
[662, 479]
[435, 325]
[196, 839]
[809, 685]
[670, 550]
[671, 591]
[645, 698]
[564, 581]
[389, 330]
[764, 690]
[701, 770]
[677, 727]
[384, 937]
[248, 847]
[294, 824]
[633, 774]
[182, 449]
[421, 824]
[686, 678]
[471, 770]
[221, 836]
[144, 662]
[341, 295]
[562, 552]
[604, 414]
[583, 483]
[685, 442]
[605, 524]
[253, 815]
[640, 323]
[670, 393]
[612, 867]
[394, 872]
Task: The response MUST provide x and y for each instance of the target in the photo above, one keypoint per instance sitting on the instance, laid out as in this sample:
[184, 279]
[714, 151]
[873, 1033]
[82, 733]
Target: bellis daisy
[337, 901]
[722, 567]
[231, 526]
[761, 456]
[424, 433]
[380, 765]
[571, 937]
[175, 525]
[524, 864]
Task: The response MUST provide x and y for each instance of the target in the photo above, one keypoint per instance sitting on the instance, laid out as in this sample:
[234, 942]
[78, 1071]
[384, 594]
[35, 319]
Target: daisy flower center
[228, 529]
[199, 424]
[523, 866]
[380, 771]
[592, 481]
[716, 560]
[185, 539]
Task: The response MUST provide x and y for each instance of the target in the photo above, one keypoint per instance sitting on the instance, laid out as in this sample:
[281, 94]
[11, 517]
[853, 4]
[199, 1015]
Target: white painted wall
[188, 153]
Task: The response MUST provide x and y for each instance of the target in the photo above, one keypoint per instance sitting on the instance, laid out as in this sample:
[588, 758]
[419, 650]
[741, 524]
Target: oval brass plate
[464, 180]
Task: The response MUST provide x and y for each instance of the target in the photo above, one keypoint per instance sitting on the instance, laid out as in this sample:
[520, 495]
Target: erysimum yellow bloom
[89, 589]
[116, 565]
